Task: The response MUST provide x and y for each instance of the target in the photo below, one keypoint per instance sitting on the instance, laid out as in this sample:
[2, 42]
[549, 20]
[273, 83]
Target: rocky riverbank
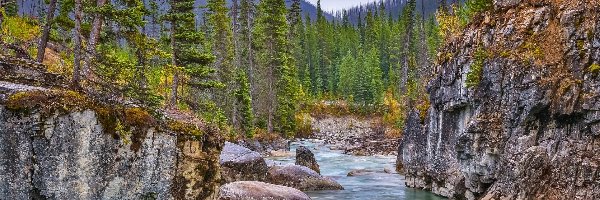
[354, 135]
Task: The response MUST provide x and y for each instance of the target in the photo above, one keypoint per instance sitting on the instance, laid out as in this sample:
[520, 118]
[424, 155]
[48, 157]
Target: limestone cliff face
[52, 154]
[530, 128]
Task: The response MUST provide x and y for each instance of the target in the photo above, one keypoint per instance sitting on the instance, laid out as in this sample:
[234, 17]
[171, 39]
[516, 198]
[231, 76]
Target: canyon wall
[529, 127]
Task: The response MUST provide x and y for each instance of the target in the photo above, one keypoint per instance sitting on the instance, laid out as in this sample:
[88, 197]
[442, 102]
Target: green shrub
[17, 29]
[594, 68]
[475, 74]
[467, 11]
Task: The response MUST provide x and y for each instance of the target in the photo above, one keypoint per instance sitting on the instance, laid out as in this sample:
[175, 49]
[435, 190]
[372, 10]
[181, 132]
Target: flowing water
[371, 186]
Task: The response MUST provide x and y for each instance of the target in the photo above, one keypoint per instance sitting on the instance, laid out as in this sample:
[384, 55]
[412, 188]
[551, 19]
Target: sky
[335, 5]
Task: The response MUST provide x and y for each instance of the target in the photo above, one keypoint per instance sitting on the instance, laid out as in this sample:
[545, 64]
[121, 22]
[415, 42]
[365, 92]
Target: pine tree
[189, 58]
[244, 102]
[312, 56]
[408, 19]
[323, 60]
[246, 21]
[221, 33]
[297, 40]
[348, 76]
[274, 57]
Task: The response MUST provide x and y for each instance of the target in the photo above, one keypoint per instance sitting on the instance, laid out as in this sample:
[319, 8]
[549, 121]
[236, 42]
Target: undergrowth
[475, 74]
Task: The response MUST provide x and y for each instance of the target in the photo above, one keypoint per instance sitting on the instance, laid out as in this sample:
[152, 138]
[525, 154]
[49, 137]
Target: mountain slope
[394, 8]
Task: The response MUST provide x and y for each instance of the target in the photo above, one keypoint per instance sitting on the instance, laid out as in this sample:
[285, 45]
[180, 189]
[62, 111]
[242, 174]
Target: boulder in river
[239, 163]
[254, 190]
[305, 157]
[301, 177]
[360, 172]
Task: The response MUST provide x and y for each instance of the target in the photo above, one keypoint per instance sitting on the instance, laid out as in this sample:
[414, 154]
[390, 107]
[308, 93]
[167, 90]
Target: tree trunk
[46, 33]
[271, 96]
[250, 59]
[77, 48]
[175, 84]
[2, 2]
[141, 68]
[92, 40]
[235, 27]
[404, 78]
[407, 45]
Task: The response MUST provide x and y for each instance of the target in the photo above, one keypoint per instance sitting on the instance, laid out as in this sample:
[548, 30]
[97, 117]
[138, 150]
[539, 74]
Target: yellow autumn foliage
[394, 111]
[19, 29]
[450, 25]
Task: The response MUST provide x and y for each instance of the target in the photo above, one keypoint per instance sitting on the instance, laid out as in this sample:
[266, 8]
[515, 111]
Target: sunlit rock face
[530, 128]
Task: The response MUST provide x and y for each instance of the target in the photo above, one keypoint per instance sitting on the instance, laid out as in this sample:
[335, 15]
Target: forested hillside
[393, 8]
[246, 66]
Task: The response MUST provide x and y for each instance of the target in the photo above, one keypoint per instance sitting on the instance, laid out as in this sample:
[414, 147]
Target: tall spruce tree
[219, 26]
[408, 18]
[246, 21]
[189, 58]
[274, 57]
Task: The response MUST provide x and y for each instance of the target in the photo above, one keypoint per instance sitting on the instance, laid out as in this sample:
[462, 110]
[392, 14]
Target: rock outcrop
[301, 177]
[529, 127]
[305, 157]
[242, 164]
[254, 190]
[57, 144]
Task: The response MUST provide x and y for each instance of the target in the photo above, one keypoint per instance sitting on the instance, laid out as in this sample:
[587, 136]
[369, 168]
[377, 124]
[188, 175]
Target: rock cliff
[528, 127]
[57, 144]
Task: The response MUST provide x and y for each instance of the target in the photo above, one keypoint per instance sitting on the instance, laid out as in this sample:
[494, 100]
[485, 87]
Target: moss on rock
[48, 101]
[184, 128]
[594, 68]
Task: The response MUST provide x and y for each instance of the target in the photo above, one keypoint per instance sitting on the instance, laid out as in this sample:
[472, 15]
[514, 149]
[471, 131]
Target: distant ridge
[392, 7]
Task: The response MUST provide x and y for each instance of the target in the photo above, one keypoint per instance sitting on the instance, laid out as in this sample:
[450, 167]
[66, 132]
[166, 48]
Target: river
[371, 186]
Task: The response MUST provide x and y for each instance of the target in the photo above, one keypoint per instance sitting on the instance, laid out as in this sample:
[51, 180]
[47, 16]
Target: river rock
[360, 172]
[239, 163]
[305, 157]
[301, 177]
[254, 190]
[388, 170]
